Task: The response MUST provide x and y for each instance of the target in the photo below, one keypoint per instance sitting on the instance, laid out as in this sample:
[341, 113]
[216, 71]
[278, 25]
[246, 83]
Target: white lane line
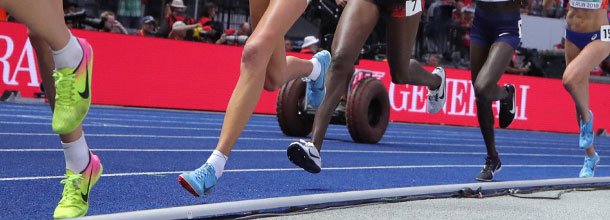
[284, 151]
[202, 116]
[419, 144]
[287, 139]
[400, 133]
[97, 124]
[276, 131]
[273, 124]
[191, 122]
[299, 169]
[148, 136]
[276, 203]
[443, 131]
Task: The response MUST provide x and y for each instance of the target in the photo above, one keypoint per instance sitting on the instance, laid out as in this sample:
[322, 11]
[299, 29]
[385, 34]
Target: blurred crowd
[443, 37]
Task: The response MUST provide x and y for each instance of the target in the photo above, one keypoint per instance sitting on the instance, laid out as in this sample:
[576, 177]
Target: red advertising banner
[161, 73]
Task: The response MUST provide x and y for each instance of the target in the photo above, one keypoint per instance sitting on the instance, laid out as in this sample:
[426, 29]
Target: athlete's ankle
[218, 161]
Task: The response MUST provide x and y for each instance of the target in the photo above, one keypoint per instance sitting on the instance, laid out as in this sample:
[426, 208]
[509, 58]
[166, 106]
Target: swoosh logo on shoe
[512, 110]
[86, 196]
[85, 94]
[443, 84]
[312, 155]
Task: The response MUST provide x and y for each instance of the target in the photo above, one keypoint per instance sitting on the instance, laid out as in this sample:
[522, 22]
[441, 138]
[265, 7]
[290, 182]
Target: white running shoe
[305, 155]
[436, 98]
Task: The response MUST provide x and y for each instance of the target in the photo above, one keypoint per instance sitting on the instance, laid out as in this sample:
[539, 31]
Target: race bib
[586, 4]
[604, 32]
[413, 7]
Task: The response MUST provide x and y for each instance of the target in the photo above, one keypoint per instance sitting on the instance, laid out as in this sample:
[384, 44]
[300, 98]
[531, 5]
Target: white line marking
[299, 169]
[155, 111]
[216, 122]
[400, 133]
[257, 123]
[198, 117]
[276, 131]
[148, 136]
[97, 124]
[287, 139]
[284, 151]
[224, 208]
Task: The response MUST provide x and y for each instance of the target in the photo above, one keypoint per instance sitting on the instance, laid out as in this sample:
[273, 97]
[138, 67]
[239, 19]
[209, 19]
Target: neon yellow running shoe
[73, 93]
[74, 202]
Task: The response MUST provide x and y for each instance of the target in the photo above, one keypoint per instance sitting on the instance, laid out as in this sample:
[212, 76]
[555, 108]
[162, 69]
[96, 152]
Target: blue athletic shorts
[490, 26]
[581, 40]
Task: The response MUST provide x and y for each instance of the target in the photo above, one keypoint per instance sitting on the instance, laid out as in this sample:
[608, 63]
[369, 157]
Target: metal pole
[196, 9]
[224, 208]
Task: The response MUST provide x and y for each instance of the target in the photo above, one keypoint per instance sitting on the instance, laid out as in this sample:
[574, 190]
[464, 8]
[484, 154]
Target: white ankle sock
[69, 56]
[76, 154]
[315, 71]
[218, 160]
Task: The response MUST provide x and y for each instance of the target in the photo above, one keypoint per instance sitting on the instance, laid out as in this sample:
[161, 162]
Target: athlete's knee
[482, 91]
[400, 78]
[253, 50]
[252, 64]
[568, 82]
[402, 74]
[478, 87]
[272, 83]
[250, 53]
[33, 36]
[570, 79]
[341, 67]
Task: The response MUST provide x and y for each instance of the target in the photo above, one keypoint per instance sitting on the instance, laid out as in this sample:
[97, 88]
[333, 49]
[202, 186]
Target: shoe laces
[583, 126]
[488, 163]
[307, 144]
[201, 172]
[64, 87]
[590, 162]
[71, 182]
[584, 133]
[433, 97]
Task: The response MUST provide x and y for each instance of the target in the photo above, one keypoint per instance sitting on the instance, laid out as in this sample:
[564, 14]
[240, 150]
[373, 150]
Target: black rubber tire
[293, 120]
[368, 111]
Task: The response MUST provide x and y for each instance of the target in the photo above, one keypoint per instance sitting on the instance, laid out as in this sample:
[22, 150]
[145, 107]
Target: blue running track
[143, 151]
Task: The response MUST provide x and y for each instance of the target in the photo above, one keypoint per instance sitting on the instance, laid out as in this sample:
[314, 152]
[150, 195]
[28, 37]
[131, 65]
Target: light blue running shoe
[315, 88]
[200, 181]
[588, 169]
[585, 140]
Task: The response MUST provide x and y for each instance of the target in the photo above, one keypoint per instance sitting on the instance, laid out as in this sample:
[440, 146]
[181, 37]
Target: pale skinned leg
[46, 65]
[261, 61]
[576, 75]
[44, 18]
[277, 67]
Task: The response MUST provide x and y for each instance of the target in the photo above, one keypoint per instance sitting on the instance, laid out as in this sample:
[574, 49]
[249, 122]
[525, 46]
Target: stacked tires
[366, 115]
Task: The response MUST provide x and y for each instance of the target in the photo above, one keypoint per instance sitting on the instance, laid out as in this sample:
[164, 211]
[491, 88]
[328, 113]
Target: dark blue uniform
[496, 22]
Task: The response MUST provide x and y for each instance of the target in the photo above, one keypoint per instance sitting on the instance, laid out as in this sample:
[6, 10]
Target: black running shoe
[507, 107]
[492, 166]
